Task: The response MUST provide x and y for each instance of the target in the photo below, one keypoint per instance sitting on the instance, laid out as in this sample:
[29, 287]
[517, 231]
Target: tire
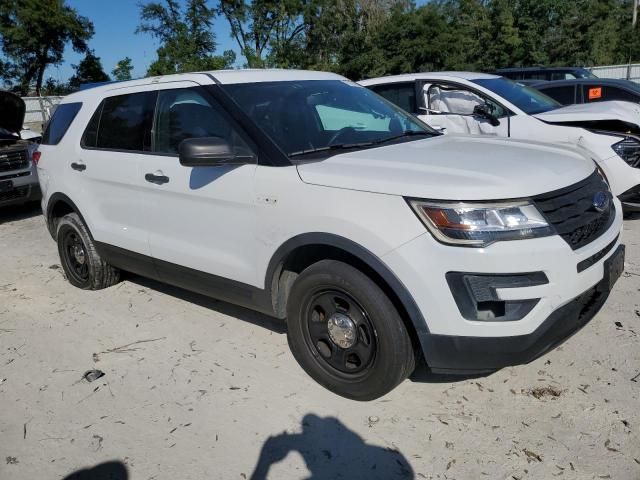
[82, 265]
[362, 357]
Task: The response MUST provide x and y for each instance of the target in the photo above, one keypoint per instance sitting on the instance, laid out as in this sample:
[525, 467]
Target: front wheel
[346, 333]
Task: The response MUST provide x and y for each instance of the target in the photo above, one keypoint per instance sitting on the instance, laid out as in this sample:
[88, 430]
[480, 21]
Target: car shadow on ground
[241, 313]
[21, 212]
[105, 471]
[330, 450]
[632, 216]
[422, 374]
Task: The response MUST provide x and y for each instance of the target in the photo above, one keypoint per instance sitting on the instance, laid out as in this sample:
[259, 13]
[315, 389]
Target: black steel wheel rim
[351, 361]
[75, 256]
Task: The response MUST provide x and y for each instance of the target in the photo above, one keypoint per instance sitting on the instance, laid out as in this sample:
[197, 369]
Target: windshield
[316, 115]
[527, 99]
[583, 73]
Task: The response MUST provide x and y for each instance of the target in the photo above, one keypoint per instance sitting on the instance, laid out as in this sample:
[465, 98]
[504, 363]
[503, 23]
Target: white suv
[482, 104]
[308, 197]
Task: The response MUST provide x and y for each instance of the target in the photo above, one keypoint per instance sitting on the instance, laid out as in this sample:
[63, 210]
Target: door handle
[80, 167]
[157, 179]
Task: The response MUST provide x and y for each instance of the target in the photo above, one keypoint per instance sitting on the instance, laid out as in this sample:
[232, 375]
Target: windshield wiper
[337, 146]
[407, 133]
[348, 146]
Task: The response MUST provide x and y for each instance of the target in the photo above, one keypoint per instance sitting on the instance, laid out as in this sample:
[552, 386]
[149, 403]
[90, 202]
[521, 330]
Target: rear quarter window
[60, 122]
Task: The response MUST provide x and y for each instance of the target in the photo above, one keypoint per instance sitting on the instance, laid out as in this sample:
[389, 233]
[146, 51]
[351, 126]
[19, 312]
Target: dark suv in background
[18, 177]
[589, 90]
[545, 73]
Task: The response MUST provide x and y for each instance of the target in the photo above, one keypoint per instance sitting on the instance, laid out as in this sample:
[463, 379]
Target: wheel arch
[58, 206]
[301, 251]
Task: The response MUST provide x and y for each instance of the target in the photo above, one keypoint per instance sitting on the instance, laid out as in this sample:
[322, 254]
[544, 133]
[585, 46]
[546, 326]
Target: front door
[199, 218]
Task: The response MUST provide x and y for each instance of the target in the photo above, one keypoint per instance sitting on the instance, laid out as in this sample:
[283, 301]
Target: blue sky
[115, 23]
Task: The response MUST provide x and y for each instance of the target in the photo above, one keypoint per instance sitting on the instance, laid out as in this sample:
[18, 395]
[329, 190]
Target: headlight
[479, 225]
[629, 150]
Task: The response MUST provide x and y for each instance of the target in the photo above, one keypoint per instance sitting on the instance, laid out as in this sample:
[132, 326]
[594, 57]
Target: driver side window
[457, 100]
[183, 114]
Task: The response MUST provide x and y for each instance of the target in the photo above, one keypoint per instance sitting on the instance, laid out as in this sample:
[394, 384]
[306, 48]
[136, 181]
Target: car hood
[451, 167]
[592, 112]
[12, 110]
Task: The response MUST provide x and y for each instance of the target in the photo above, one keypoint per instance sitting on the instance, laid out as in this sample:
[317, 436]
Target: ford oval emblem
[600, 201]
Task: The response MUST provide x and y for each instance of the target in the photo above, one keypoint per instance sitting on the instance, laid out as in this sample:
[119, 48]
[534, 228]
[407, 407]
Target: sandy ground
[198, 389]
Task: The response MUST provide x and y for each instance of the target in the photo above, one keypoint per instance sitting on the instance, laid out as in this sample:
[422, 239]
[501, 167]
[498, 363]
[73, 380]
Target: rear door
[199, 218]
[107, 169]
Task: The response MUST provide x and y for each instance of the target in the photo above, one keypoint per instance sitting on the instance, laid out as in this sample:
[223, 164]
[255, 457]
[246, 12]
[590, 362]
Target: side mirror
[483, 111]
[208, 152]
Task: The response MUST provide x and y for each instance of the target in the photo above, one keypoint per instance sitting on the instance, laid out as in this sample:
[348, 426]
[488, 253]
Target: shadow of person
[105, 471]
[332, 451]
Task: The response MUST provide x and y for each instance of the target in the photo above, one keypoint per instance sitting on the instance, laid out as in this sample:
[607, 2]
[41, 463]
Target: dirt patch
[544, 392]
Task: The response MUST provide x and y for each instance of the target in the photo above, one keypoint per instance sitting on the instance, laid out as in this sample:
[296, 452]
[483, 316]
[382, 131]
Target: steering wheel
[340, 133]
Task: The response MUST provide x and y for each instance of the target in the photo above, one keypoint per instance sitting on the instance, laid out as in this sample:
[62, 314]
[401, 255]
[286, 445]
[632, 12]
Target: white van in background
[483, 104]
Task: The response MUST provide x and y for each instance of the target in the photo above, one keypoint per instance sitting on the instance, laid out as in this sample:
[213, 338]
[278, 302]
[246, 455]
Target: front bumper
[20, 195]
[452, 342]
[24, 186]
[460, 354]
[625, 181]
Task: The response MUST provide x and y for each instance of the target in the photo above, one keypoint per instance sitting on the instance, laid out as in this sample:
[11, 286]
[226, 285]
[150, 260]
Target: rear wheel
[80, 260]
[345, 332]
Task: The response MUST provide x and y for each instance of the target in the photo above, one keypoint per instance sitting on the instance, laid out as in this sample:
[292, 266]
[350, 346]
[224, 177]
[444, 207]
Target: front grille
[14, 160]
[572, 213]
[15, 194]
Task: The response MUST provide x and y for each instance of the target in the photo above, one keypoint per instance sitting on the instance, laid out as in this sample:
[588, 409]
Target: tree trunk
[25, 81]
[41, 69]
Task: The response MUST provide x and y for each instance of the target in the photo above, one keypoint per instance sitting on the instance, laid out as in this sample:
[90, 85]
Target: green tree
[341, 35]
[33, 35]
[419, 41]
[89, 70]
[52, 87]
[123, 69]
[264, 28]
[188, 42]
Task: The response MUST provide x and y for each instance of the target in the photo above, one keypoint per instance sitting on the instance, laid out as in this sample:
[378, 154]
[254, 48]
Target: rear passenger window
[564, 95]
[125, 122]
[60, 122]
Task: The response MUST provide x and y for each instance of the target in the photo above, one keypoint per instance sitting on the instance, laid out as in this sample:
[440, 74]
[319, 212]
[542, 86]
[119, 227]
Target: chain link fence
[624, 72]
[39, 111]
